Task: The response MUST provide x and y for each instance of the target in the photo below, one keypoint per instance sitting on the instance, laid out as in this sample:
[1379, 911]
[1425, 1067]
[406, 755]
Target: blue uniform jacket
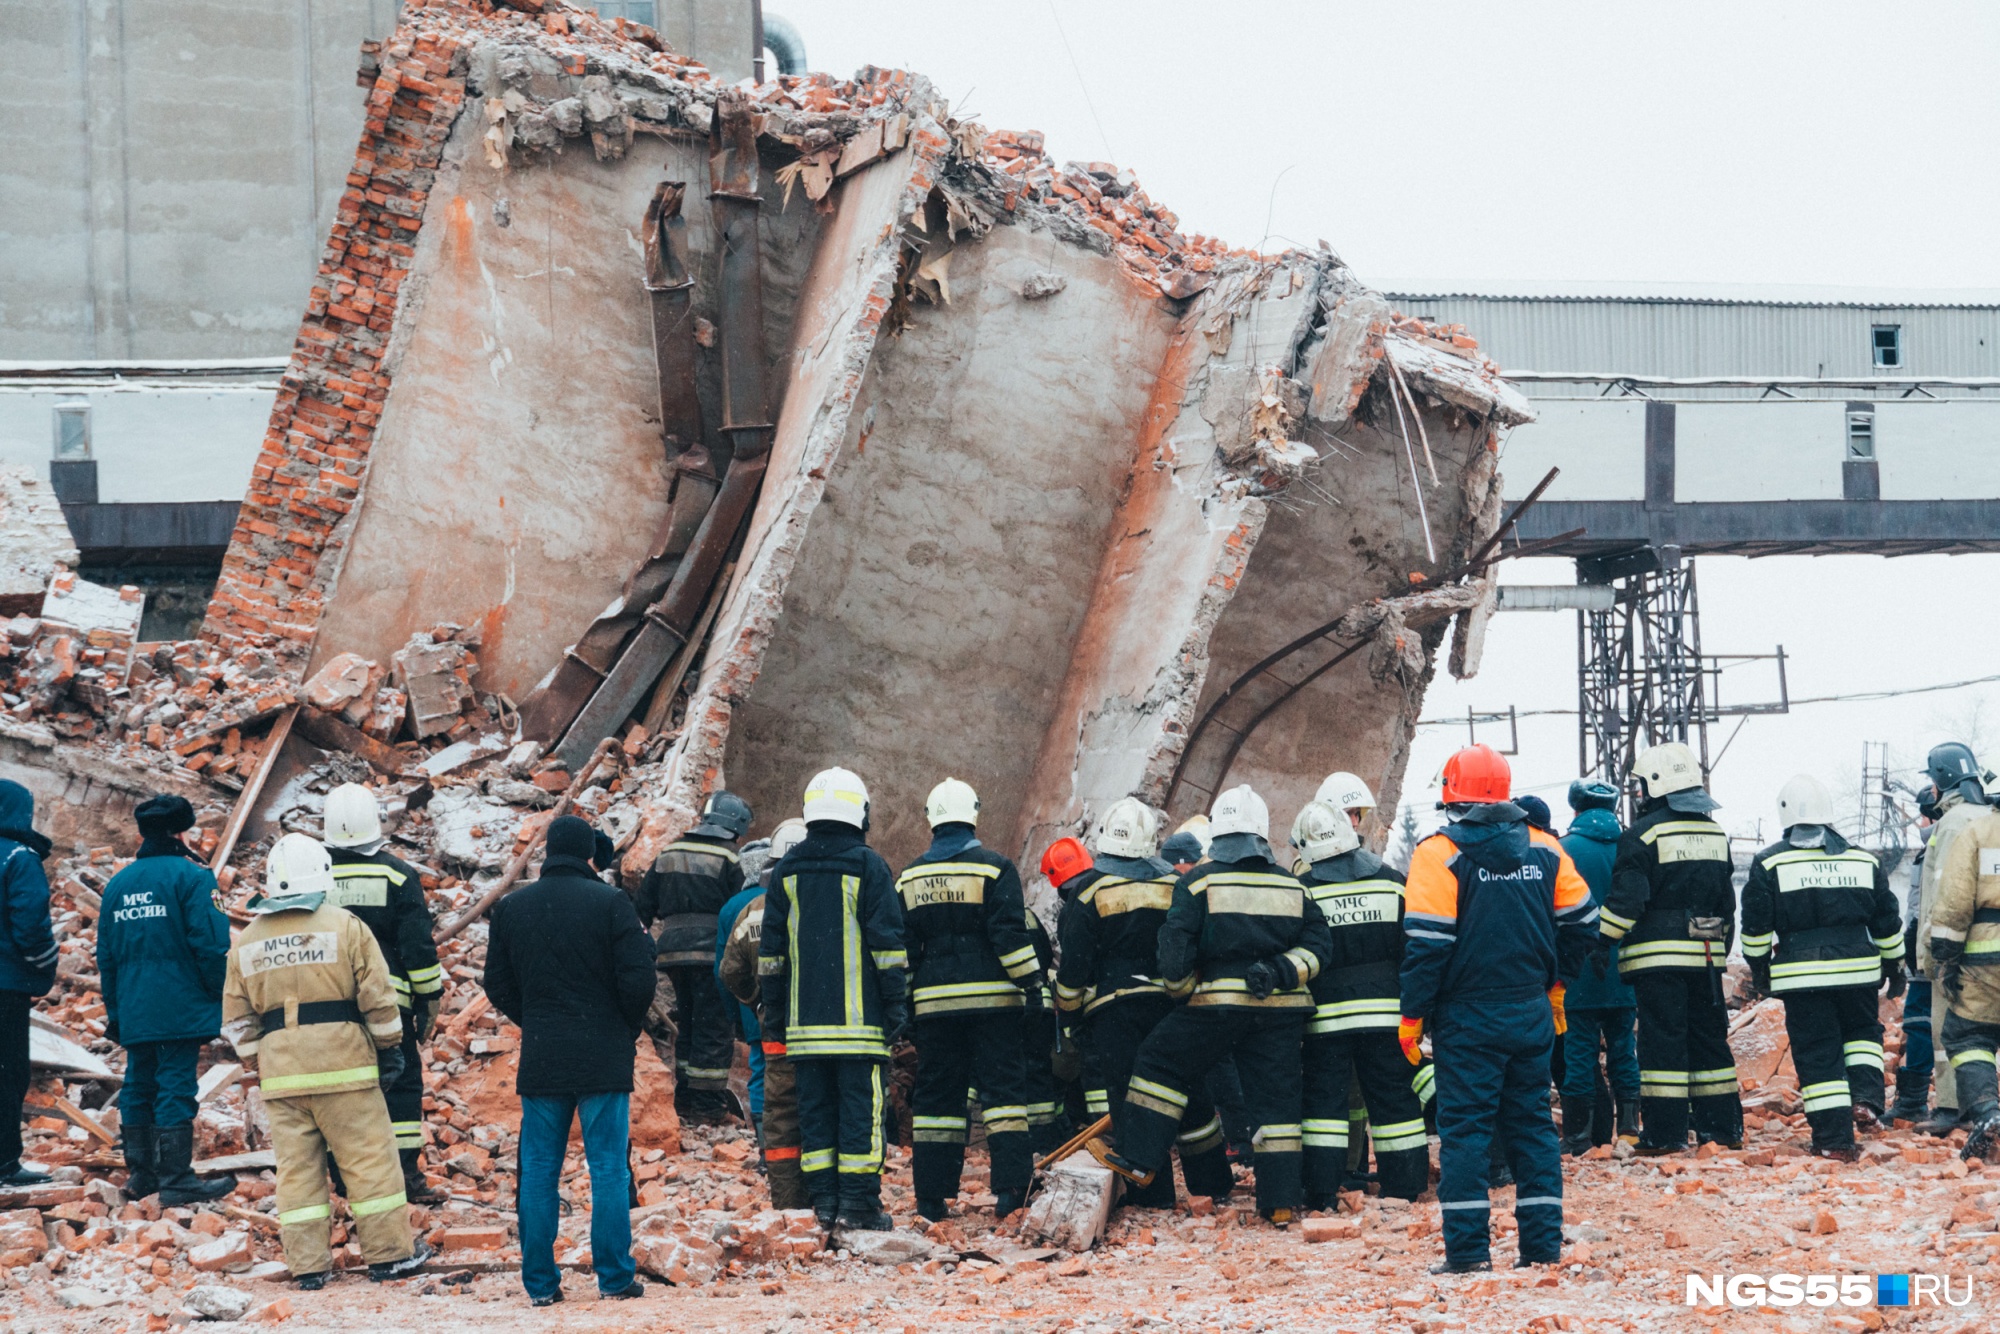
[162, 950]
[27, 944]
[1592, 843]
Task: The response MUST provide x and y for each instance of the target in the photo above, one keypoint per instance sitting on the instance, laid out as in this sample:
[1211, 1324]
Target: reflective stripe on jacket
[387, 894]
[1110, 932]
[284, 960]
[830, 957]
[1825, 916]
[1227, 916]
[1965, 920]
[1362, 902]
[682, 894]
[965, 930]
[1673, 869]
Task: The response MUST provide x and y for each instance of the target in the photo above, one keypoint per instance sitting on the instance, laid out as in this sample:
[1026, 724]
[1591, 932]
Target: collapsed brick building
[969, 463]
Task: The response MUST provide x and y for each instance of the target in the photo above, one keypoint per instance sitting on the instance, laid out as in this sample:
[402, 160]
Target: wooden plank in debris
[250, 1216]
[218, 1078]
[240, 814]
[254, 1161]
[76, 1116]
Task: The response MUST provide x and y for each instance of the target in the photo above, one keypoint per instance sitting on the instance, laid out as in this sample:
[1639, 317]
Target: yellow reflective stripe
[887, 959]
[850, 947]
[709, 849]
[287, 1083]
[305, 1214]
[368, 871]
[816, 1160]
[950, 868]
[1305, 961]
[1989, 945]
[1821, 1097]
[1680, 827]
[1971, 1058]
[381, 1204]
[1324, 1134]
[1758, 944]
[1012, 957]
[967, 989]
[1863, 1053]
[1267, 896]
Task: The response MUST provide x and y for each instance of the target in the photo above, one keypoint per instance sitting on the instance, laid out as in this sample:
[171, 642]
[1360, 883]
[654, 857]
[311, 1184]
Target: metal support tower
[1640, 674]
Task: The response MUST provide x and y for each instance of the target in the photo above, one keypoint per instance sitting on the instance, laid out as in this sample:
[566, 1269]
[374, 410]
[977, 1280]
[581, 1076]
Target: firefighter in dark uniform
[678, 901]
[1042, 1045]
[1242, 941]
[1821, 929]
[832, 972]
[1109, 983]
[1671, 910]
[973, 971]
[1491, 909]
[387, 894]
[1356, 1009]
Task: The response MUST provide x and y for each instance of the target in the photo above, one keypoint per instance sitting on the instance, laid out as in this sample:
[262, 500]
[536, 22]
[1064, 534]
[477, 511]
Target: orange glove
[1408, 1033]
[1556, 994]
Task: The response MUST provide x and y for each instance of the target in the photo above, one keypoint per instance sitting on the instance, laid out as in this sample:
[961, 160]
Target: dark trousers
[1971, 1045]
[1371, 1056]
[1684, 1057]
[14, 1074]
[1116, 1032]
[840, 1128]
[1587, 1028]
[1177, 1056]
[406, 1096]
[705, 1046]
[1046, 1122]
[1913, 1076]
[1837, 1050]
[1225, 1090]
[1493, 1079]
[160, 1083]
[954, 1053]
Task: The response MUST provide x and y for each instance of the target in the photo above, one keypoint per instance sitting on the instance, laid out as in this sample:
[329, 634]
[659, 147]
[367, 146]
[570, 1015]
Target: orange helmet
[1065, 859]
[1476, 774]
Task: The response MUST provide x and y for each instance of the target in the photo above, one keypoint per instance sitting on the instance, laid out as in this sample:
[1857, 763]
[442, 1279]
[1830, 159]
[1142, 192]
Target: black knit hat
[570, 836]
[164, 816]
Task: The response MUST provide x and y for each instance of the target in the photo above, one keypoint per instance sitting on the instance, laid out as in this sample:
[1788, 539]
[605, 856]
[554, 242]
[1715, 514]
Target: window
[72, 421]
[1888, 346]
[639, 11]
[1861, 434]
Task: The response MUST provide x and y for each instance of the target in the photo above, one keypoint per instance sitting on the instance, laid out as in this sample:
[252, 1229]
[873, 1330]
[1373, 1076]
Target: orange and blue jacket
[1509, 894]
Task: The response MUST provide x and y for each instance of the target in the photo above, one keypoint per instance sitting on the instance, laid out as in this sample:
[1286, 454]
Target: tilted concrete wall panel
[929, 622]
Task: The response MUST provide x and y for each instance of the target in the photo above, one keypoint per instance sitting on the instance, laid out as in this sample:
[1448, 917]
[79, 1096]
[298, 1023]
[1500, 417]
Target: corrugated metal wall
[1686, 338]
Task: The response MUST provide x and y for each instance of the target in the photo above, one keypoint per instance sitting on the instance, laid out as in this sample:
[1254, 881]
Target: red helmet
[1066, 858]
[1476, 774]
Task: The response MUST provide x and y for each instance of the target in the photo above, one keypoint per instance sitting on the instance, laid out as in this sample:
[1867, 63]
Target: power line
[1082, 84]
[1861, 696]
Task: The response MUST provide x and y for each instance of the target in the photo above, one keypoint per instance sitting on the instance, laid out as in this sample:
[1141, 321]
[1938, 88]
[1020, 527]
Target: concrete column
[715, 32]
[110, 251]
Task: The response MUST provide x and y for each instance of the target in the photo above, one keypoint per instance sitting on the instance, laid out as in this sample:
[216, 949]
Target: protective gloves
[1408, 1034]
[1261, 979]
[1893, 974]
[1600, 958]
[1556, 994]
[388, 1065]
[895, 1021]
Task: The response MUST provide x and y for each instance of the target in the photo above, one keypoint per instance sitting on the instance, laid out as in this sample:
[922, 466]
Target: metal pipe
[782, 38]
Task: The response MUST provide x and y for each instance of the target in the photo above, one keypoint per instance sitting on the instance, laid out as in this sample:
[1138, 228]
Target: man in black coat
[568, 961]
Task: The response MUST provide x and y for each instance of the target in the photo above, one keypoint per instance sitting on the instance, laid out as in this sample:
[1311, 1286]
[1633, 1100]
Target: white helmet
[1129, 829]
[1239, 811]
[1344, 792]
[1666, 768]
[352, 818]
[952, 802]
[1804, 800]
[1323, 830]
[837, 794]
[788, 835]
[297, 865]
[1197, 826]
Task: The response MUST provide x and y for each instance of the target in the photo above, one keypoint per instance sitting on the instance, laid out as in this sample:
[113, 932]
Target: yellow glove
[1556, 994]
[1408, 1033]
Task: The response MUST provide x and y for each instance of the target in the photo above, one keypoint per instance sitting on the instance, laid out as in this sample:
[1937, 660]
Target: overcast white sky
[1456, 143]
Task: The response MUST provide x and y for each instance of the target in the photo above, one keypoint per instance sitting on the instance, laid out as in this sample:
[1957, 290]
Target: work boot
[1462, 1267]
[1867, 1120]
[141, 1179]
[863, 1213]
[1578, 1115]
[312, 1282]
[1840, 1153]
[22, 1175]
[934, 1211]
[1942, 1122]
[1006, 1202]
[173, 1152]
[708, 1107]
[1913, 1096]
[1628, 1120]
[417, 1187]
[403, 1268]
[1985, 1134]
[826, 1208]
[1280, 1219]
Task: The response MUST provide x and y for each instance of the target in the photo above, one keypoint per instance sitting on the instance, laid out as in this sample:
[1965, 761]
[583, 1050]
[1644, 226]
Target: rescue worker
[1671, 911]
[27, 965]
[1964, 942]
[1919, 1058]
[754, 858]
[162, 953]
[1346, 793]
[1108, 981]
[1352, 1033]
[1961, 799]
[1820, 931]
[1042, 1047]
[387, 894]
[1598, 1003]
[1511, 897]
[778, 1132]
[832, 971]
[1242, 940]
[972, 972]
[309, 1002]
[679, 901]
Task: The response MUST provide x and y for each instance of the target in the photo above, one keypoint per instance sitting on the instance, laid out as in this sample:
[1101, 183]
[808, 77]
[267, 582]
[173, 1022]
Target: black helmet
[1951, 765]
[725, 816]
[1591, 794]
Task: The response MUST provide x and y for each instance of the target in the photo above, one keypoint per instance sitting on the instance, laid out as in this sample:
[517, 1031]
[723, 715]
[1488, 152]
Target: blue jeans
[607, 1135]
[1918, 1052]
[1621, 1053]
[160, 1084]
